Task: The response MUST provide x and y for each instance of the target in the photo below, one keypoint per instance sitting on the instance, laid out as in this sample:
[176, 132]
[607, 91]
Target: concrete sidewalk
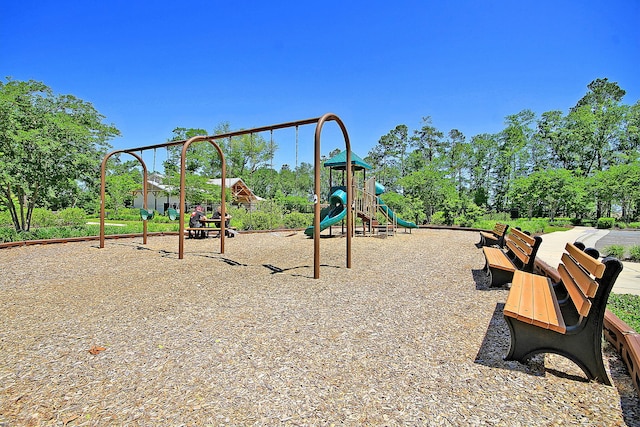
[553, 244]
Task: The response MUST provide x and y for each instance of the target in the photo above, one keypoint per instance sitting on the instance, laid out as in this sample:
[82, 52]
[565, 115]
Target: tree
[429, 185]
[620, 184]
[122, 180]
[46, 141]
[427, 142]
[388, 156]
[628, 147]
[199, 156]
[484, 152]
[548, 191]
[599, 118]
[456, 158]
[513, 159]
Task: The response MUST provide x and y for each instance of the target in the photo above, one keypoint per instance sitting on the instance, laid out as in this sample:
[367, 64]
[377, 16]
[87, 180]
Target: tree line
[583, 163]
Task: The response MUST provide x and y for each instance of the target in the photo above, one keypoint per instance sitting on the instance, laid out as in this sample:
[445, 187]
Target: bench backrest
[500, 229]
[588, 281]
[522, 249]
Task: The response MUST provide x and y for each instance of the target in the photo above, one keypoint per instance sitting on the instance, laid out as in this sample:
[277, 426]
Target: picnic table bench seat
[493, 237]
[540, 321]
[520, 255]
[206, 230]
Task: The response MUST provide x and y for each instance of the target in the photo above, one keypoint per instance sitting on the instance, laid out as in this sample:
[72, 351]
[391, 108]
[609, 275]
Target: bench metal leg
[498, 277]
[584, 348]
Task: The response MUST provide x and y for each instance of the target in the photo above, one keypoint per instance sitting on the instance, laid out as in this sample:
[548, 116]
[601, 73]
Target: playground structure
[318, 121]
[367, 203]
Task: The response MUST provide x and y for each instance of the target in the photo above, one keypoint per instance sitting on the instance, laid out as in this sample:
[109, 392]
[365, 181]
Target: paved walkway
[553, 244]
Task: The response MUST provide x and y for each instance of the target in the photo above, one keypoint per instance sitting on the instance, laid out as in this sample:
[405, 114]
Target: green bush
[260, 220]
[627, 308]
[8, 234]
[587, 222]
[438, 218]
[605, 222]
[614, 251]
[5, 219]
[297, 220]
[634, 225]
[634, 253]
[72, 216]
[43, 218]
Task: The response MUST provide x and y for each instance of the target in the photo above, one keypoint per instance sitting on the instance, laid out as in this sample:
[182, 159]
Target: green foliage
[606, 222]
[43, 218]
[8, 234]
[49, 143]
[614, 251]
[72, 216]
[5, 219]
[293, 203]
[438, 218]
[404, 207]
[634, 253]
[627, 308]
[298, 220]
[261, 220]
[470, 215]
[634, 225]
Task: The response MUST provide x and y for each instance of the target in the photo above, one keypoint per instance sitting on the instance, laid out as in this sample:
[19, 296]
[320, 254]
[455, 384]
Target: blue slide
[387, 210]
[337, 212]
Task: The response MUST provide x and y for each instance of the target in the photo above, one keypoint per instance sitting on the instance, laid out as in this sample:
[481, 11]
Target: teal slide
[336, 212]
[387, 210]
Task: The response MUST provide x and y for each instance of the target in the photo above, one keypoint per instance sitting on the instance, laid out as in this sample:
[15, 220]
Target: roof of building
[339, 161]
[238, 186]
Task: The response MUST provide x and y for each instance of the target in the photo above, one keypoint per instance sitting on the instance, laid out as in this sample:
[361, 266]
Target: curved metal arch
[103, 186]
[223, 208]
[316, 217]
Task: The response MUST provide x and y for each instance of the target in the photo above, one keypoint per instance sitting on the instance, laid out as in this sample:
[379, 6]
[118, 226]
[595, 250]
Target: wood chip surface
[409, 336]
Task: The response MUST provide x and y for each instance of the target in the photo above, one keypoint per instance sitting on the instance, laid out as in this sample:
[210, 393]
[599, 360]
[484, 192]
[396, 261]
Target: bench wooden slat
[556, 321]
[580, 301]
[531, 301]
[488, 235]
[517, 250]
[529, 240]
[521, 244]
[592, 265]
[497, 259]
[512, 305]
[587, 285]
[540, 312]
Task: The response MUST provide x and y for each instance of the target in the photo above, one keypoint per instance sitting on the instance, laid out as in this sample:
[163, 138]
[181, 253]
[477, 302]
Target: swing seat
[146, 214]
[172, 214]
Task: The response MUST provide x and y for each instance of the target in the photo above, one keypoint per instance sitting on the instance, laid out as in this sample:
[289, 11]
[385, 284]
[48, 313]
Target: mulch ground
[411, 335]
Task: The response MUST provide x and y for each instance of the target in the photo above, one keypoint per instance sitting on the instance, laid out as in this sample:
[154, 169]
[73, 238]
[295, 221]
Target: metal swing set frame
[319, 122]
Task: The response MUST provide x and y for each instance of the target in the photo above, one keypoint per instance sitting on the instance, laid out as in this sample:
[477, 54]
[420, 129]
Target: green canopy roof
[339, 161]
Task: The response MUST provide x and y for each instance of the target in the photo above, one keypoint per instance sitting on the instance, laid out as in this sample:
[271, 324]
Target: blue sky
[152, 66]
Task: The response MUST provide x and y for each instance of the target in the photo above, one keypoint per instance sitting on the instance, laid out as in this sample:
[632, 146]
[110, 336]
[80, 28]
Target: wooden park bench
[494, 237]
[626, 341]
[566, 319]
[520, 255]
